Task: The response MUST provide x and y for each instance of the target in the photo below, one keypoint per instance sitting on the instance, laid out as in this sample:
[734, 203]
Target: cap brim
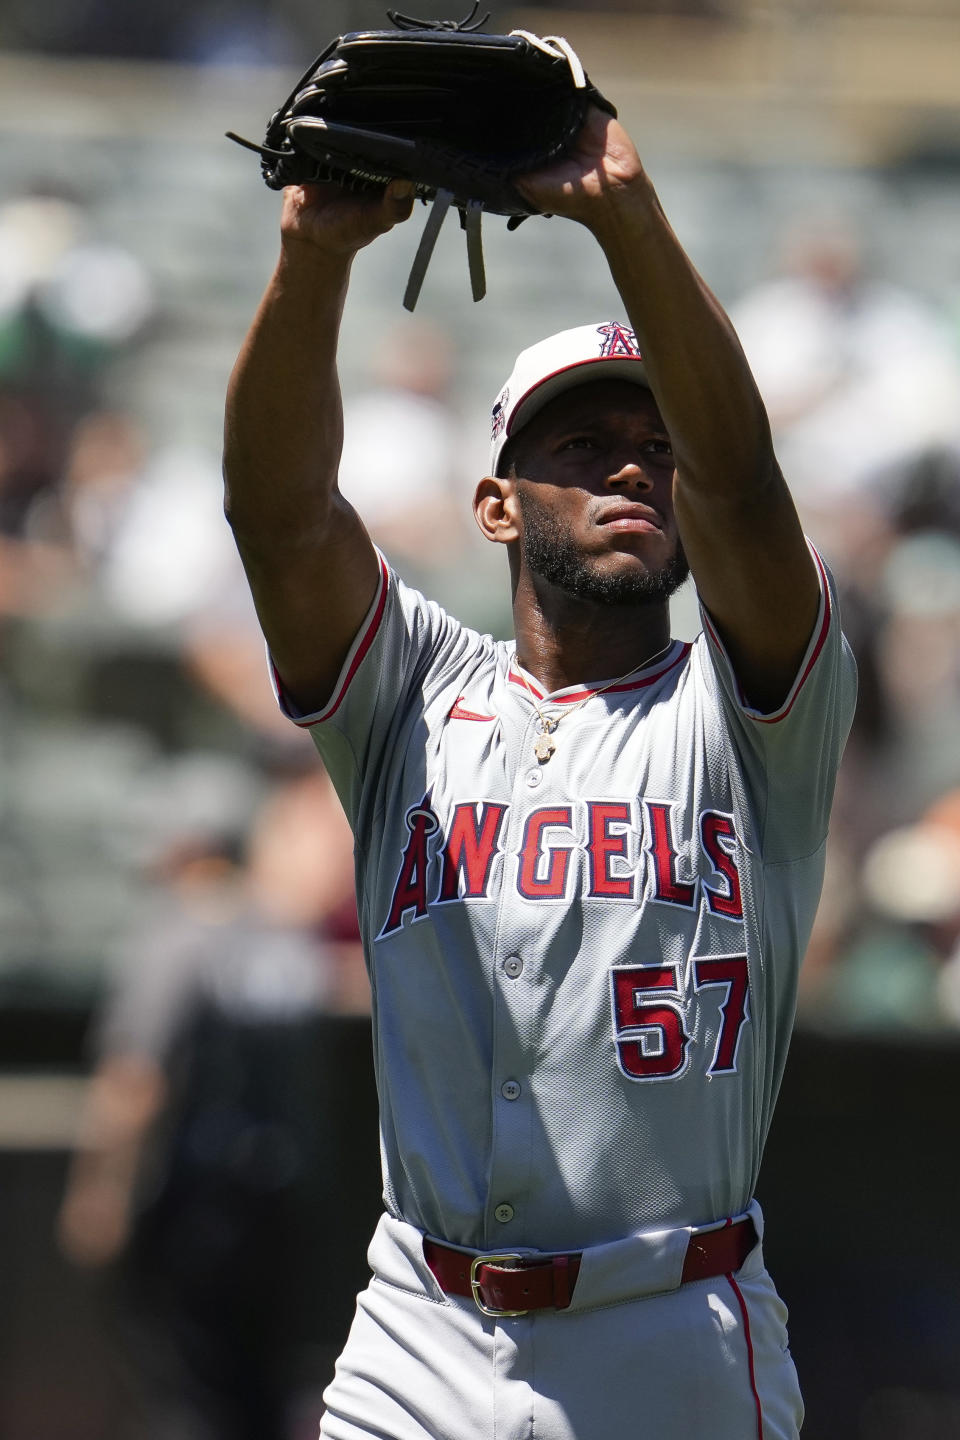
[613, 367]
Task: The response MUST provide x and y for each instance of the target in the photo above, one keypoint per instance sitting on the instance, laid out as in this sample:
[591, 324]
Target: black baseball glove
[440, 103]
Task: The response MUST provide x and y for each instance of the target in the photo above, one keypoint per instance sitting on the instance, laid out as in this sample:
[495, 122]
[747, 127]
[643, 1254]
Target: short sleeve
[787, 760]
[404, 652]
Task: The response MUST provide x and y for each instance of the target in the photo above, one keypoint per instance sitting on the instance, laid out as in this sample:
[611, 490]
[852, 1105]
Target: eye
[659, 447]
[578, 442]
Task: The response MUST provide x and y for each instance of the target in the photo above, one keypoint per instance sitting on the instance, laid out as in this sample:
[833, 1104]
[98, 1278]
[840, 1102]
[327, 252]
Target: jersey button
[504, 1213]
[534, 778]
[513, 966]
[510, 1090]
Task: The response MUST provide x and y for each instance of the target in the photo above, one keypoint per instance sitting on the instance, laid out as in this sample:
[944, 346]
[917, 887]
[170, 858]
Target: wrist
[310, 269]
[625, 208]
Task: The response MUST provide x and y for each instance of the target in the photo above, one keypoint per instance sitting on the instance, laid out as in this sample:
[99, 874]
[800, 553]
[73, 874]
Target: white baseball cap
[557, 364]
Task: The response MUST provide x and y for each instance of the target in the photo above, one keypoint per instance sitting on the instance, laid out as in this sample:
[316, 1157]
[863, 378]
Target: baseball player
[587, 862]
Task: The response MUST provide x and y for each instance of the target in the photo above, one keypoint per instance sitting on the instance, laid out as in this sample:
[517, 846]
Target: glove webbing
[553, 45]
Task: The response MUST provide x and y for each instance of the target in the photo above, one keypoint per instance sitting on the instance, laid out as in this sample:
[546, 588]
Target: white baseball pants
[636, 1354]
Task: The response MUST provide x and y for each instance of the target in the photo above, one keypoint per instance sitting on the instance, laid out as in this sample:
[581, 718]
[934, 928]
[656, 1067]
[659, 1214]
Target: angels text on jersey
[618, 850]
[621, 851]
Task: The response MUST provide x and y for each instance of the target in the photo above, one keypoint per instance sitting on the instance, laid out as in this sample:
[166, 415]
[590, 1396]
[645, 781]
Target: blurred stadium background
[188, 1164]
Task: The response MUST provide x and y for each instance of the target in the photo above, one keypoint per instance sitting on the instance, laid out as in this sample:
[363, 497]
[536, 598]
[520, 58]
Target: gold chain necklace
[545, 745]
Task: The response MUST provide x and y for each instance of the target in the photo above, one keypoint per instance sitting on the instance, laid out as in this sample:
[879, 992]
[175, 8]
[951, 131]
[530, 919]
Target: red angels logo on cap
[500, 413]
[618, 340]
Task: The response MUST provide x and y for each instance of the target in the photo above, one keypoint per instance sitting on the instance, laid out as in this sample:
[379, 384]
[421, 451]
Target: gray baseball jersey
[584, 970]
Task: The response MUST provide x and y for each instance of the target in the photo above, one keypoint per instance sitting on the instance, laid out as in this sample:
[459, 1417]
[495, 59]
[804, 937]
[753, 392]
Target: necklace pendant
[544, 746]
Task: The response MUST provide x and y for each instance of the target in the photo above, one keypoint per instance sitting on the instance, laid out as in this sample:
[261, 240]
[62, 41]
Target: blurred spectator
[862, 383]
[224, 653]
[70, 305]
[410, 465]
[402, 449]
[129, 567]
[67, 524]
[170, 550]
[899, 971]
[856, 372]
[901, 600]
[108, 450]
[943, 821]
[70, 300]
[201, 1127]
[923, 494]
[920, 664]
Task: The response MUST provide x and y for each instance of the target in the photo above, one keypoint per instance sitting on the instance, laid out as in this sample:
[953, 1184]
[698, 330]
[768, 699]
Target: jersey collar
[678, 652]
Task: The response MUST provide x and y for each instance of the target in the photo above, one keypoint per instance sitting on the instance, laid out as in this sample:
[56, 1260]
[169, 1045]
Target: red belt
[511, 1284]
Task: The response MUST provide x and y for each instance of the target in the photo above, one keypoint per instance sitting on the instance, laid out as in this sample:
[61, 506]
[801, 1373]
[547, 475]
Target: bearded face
[552, 552]
[593, 473]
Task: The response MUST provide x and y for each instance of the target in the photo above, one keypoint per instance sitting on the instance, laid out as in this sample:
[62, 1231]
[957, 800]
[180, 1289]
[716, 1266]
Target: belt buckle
[475, 1283]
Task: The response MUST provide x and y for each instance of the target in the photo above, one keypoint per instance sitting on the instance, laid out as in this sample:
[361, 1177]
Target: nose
[629, 476]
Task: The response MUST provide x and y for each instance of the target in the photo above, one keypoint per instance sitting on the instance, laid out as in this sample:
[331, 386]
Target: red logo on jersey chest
[457, 712]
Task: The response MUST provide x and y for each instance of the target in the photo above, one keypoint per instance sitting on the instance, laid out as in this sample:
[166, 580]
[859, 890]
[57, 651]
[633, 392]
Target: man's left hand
[601, 164]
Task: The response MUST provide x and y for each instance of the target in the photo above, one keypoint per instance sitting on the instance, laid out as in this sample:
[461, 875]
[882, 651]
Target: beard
[550, 551]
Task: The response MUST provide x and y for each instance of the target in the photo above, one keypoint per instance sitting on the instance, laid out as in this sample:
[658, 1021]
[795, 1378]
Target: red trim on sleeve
[749, 1340]
[776, 716]
[364, 640]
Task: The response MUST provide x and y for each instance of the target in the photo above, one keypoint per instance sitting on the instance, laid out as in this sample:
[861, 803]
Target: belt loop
[561, 1281]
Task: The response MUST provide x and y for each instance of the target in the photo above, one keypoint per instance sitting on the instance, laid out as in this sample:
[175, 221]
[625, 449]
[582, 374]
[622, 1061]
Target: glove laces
[469, 22]
[558, 49]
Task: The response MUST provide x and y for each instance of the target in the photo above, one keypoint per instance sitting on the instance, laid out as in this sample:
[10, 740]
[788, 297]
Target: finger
[313, 194]
[531, 188]
[398, 199]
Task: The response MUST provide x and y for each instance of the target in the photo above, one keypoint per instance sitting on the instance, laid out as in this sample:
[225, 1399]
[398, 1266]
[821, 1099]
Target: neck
[582, 642]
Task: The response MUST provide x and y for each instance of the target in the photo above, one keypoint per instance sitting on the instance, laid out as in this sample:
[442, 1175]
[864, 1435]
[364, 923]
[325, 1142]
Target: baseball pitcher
[587, 862]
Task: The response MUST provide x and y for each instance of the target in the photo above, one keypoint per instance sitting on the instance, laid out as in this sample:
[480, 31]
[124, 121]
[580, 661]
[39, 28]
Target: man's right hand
[311, 565]
[339, 221]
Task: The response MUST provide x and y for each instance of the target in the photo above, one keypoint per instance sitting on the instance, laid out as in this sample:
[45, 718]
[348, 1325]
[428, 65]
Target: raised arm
[310, 563]
[737, 520]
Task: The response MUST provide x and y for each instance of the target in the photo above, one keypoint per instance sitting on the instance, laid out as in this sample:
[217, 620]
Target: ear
[495, 509]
